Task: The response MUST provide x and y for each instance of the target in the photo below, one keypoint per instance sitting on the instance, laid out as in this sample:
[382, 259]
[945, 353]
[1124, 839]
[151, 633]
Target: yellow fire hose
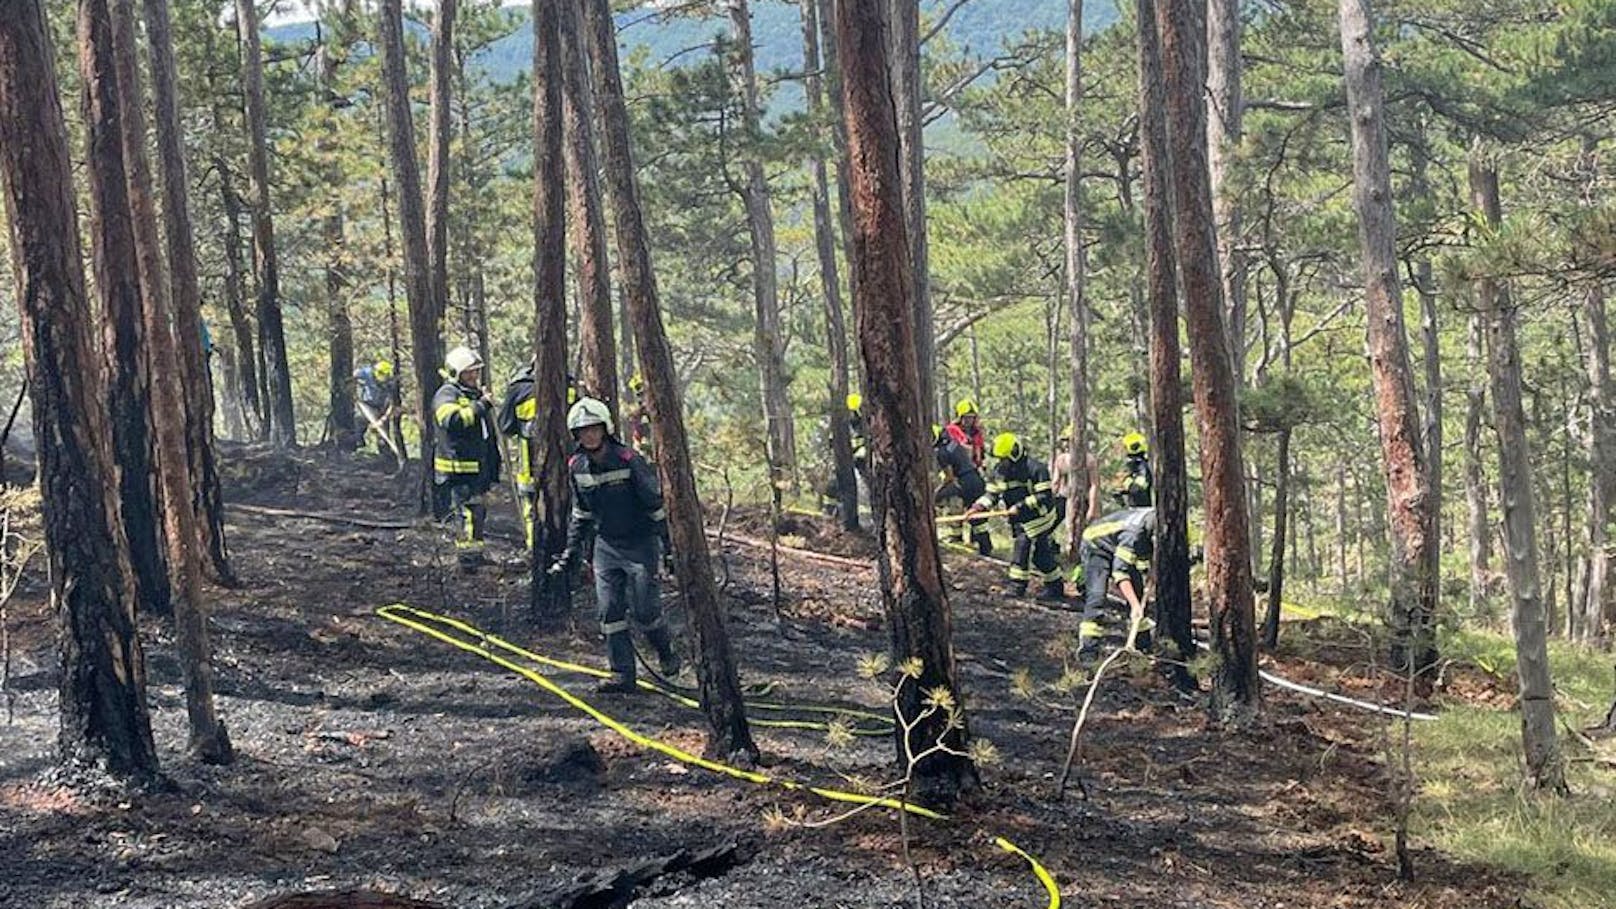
[498, 651]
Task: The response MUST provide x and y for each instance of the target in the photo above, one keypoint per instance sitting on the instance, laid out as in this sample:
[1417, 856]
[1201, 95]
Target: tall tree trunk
[841, 437]
[339, 376]
[1236, 694]
[102, 689]
[209, 740]
[548, 447]
[1172, 551]
[1077, 480]
[907, 95]
[271, 334]
[1413, 587]
[1431, 328]
[123, 337]
[425, 344]
[438, 162]
[720, 688]
[1224, 131]
[1476, 497]
[767, 337]
[235, 298]
[900, 467]
[196, 385]
[1544, 766]
[1276, 558]
[838, 119]
[596, 337]
[1599, 593]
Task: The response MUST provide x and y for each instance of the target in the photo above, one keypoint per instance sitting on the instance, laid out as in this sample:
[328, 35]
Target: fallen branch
[1077, 727]
[617, 888]
[804, 553]
[329, 518]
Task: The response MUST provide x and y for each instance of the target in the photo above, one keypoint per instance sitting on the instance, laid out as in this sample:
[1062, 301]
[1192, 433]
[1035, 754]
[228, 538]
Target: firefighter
[466, 464]
[617, 502]
[967, 430]
[377, 388]
[637, 417]
[517, 412]
[1138, 488]
[962, 481]
[861, 439]
[1021, 483]
[830, 495]
[1118, 548]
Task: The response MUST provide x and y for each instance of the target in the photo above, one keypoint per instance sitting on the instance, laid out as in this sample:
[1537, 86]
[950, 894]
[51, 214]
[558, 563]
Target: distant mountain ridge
[982, 25]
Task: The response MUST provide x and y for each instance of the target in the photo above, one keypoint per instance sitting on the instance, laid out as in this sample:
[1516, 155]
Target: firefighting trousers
[628, 593]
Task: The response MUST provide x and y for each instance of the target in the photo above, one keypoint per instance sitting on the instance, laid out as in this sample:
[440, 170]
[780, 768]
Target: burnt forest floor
[370, 756]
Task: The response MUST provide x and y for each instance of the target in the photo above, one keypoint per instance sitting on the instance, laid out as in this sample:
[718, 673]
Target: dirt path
[372, 757]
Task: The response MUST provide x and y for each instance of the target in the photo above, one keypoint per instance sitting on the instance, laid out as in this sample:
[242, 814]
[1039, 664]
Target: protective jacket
[1024, 486]
[954, 460]
[1125, 539]
[374, 391]
[466, 448]
[616, 497]
[1139, 489]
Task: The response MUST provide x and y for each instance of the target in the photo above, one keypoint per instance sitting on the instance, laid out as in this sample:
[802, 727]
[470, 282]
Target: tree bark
[1412, 578]
[908, 95]
[235, 298]
[549, 444]
[196, 384]
[440, 132]
[104, 719]
[596, 337]
[767, 338]
[209, 740]
[1431, 327]
[841, 437]
[426, 347]
[838, 133]
[1077, 480]
[339, 376]
[1236, 695]
[1276, 558]
[1599, 593]
[1171, 561]
[1476, 497]
[1224, 132]
[720, 689]
[123, 336]
[900, 467]
[1545, 767]
[271, 334]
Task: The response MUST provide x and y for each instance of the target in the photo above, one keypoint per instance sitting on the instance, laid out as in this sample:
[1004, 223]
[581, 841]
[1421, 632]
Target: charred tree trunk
[1077, 480]
[596, 336]
[841, 437]
[720, 688]
[1236, 695]
[910, 567]
[1413, 588]
[425, 344]
[123, 340]
[548, 446]
[438, 162]
[186, 287]
[907, 94]
[1171, 562]
[104, 719]
[1545, 767]
[271, 334]
[767, 337]
[209, 740]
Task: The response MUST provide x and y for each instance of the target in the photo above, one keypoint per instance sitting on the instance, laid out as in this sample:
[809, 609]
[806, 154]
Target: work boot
[984, 543]
[616, 683]
[1052, 592]
[1014, 589]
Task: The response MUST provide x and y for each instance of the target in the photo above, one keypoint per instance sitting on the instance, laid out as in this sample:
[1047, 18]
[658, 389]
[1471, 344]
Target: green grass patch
[1472, 803]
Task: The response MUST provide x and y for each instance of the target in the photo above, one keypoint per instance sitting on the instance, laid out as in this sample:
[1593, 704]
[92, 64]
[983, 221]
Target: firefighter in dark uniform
[617, 501]
[961, 481]
[517, 411]
[1138, 488]
[1117, 548]
[466, 463]
[1021, 483]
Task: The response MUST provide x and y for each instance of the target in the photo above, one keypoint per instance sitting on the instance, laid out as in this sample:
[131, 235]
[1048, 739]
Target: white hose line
[1272, 679]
